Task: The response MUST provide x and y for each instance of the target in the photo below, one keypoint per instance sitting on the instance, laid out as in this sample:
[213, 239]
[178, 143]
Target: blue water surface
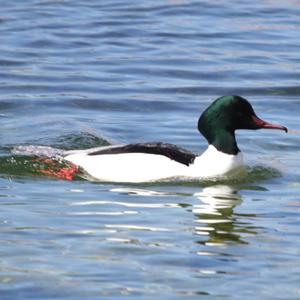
[79, 74]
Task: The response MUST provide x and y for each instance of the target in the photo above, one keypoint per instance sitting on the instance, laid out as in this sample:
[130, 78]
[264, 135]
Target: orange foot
[56, 169]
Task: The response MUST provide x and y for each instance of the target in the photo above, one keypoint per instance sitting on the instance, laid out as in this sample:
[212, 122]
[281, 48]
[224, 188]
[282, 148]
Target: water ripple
[79, 74]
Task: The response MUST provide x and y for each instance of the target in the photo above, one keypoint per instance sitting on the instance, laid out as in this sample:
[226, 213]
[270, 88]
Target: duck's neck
[225, 142]
[222, 139]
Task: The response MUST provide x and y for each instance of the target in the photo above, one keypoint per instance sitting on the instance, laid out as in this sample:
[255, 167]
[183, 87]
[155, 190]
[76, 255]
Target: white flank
[143, 167]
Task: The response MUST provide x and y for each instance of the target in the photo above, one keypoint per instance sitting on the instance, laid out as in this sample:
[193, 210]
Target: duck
[157, 161]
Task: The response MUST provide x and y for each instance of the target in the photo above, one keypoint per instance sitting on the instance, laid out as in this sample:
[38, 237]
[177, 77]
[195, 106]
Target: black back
[171, 151]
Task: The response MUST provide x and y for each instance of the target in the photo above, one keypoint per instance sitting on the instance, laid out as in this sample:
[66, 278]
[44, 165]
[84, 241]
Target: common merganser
[146, 162]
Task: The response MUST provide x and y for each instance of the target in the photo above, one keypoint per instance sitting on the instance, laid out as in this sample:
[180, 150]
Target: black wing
[171, 151]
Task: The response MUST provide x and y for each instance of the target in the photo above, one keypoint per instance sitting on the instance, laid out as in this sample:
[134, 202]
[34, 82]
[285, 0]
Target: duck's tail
[49, 161]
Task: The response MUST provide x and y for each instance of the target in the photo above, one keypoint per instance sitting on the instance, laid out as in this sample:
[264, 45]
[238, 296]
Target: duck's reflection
[216, 223]
[215, 215]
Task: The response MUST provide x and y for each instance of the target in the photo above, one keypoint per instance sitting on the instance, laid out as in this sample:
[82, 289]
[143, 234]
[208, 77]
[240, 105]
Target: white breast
[214, 163]
[143, 167]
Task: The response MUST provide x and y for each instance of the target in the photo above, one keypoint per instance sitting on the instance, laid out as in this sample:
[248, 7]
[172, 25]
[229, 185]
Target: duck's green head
[225, 115]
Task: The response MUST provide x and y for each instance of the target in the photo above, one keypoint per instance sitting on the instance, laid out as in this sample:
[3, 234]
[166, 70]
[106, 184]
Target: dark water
[79, 74]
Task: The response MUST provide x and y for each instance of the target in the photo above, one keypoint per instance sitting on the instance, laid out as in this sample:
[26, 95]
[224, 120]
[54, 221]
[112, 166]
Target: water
[79, 74]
